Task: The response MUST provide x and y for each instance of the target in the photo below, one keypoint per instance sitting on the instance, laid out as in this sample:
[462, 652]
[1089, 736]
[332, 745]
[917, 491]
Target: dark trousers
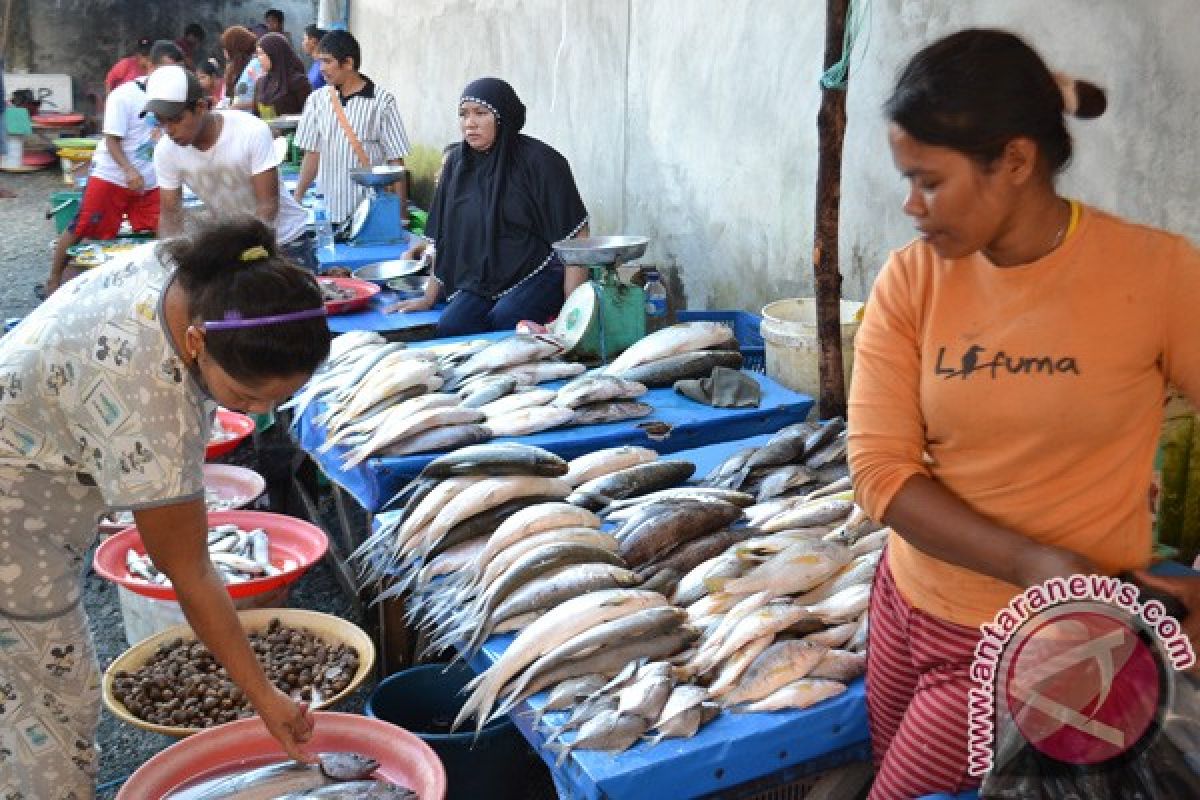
[538, 299]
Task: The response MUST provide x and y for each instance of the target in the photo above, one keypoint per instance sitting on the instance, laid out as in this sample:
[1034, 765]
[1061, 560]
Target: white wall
[693, 121]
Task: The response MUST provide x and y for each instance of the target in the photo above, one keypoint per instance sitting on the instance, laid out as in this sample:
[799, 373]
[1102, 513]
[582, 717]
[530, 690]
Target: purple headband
[234, 320]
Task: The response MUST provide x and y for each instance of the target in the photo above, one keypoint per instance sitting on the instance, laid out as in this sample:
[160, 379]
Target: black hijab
[495, 214]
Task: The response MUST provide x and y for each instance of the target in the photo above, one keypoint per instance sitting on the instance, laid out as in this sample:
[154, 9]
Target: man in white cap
[225, 157]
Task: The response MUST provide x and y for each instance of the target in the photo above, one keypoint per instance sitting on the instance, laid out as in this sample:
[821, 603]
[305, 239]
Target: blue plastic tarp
[372, 318]
[353, 256]
[373, 482]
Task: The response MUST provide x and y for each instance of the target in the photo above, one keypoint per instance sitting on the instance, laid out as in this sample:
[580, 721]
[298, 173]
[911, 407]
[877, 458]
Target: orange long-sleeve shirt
[1035, 390]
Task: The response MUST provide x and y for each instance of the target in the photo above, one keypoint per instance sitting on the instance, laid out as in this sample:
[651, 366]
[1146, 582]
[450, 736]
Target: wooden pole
[827, 278]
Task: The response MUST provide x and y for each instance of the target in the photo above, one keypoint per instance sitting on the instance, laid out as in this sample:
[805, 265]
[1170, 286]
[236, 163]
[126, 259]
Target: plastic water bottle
[656, 301]
[324, 229]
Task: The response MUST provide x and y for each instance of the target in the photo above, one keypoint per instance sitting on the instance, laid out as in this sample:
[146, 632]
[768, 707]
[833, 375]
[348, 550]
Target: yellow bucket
[789, 330]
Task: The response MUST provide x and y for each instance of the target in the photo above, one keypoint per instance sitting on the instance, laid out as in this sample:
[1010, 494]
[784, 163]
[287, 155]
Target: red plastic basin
[291, 539]
[403, 758]
[237, 424]
[363, 292]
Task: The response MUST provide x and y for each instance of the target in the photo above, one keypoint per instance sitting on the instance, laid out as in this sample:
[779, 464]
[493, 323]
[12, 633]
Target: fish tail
[564, 752]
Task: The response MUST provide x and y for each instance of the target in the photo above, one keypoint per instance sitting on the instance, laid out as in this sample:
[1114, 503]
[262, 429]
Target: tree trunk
[827, 278]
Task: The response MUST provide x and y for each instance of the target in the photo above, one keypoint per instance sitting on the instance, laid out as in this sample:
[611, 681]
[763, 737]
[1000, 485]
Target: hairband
[472, 99]
[256, 253]
[234, 320]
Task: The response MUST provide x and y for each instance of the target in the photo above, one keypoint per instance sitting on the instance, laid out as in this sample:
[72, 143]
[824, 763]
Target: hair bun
[1092, 100]
[1081, 99]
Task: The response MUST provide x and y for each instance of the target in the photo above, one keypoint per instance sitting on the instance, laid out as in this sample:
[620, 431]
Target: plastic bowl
[237, 487]
[363, 292]
[234, 423]
[403, 758]
[331, 629]
[290, 539]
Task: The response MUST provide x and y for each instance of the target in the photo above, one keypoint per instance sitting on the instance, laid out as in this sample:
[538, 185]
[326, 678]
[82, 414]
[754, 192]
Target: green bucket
[64, 206]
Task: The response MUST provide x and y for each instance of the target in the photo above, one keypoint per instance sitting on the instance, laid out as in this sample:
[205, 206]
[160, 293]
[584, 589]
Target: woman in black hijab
[502, 200]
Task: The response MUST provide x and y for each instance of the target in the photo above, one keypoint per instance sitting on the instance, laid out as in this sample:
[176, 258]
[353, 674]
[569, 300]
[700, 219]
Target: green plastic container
[64, 206]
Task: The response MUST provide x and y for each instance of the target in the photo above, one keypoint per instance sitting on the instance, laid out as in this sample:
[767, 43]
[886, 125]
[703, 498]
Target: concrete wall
[694, 122]
[83, 38]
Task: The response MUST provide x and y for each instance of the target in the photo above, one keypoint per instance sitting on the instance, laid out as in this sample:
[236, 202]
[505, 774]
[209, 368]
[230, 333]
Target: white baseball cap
[171, 89]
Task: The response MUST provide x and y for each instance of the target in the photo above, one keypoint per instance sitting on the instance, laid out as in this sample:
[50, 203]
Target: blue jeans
[537, 299]
[302, 250]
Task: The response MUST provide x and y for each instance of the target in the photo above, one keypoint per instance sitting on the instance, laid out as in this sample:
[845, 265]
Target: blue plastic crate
[746, 329]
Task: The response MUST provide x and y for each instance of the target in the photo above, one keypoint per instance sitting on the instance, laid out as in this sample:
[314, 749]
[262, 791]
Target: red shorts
[104, 204]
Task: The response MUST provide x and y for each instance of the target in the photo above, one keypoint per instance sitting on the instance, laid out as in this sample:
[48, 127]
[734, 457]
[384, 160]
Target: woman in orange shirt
[1008, 386]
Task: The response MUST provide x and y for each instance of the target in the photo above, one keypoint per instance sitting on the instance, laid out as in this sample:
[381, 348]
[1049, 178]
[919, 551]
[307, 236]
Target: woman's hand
[423, 303]
[291, 723]
[1185, 588]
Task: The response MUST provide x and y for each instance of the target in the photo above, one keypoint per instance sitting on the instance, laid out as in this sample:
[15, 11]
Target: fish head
[346, 766]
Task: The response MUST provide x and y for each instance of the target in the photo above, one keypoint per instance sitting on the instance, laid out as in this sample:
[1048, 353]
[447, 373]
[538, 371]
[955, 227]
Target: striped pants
[917, 682]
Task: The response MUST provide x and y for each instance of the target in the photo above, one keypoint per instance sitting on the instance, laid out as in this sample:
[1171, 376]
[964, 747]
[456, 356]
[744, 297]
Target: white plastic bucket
[15, 151]
[789, 330]
[145, 616]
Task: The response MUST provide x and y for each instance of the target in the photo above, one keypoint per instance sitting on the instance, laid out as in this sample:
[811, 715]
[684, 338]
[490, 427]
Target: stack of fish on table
[643, 603]
[378, 398]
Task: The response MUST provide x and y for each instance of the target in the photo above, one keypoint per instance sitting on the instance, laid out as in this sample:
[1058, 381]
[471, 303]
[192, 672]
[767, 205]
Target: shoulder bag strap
[359, 150]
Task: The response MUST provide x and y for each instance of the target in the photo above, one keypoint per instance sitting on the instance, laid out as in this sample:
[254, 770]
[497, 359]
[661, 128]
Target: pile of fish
[643, 603]
[683, 351]
[334, 775]
[378, 398]
[239, 556]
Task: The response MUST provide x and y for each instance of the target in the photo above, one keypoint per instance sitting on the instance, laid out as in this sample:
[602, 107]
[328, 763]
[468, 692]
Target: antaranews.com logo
[1079, 664]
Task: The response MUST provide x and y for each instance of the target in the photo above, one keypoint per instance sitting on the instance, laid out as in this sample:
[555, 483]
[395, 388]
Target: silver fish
[432, 440]
[780, 664]
[525, 421]
[275, 780]
[486, 391]
[356, 790]
[681, 338]
[664, 372]
[840, 665]
[514, 402]
[605, 462]
[511, 351]
[596, 388]
[612, 730]
[801, 694]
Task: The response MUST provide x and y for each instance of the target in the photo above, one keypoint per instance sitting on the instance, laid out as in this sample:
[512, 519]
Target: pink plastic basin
[403, 758]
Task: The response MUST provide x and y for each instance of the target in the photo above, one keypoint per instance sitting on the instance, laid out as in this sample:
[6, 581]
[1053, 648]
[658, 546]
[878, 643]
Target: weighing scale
[603, 316]
[376, 221]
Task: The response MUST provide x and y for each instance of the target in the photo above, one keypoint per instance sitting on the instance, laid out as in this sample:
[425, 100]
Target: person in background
[242, 67]
[227, 158]
[503, 198]
[372, 116]
[273, 20]
[112, 384]
[5, 193]
[982, 342]
[134, 65]
[283, 87]
[312, 37]
[189, 43]
[122, 182]
[212, 79]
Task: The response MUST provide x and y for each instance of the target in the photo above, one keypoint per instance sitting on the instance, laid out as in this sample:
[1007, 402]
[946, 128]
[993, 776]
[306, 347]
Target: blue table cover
[373, 319]
[354, 256]
[373, 482]
[731, 750]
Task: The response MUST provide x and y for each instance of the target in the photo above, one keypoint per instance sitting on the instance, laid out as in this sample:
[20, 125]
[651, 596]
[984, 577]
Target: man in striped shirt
[371, 113]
